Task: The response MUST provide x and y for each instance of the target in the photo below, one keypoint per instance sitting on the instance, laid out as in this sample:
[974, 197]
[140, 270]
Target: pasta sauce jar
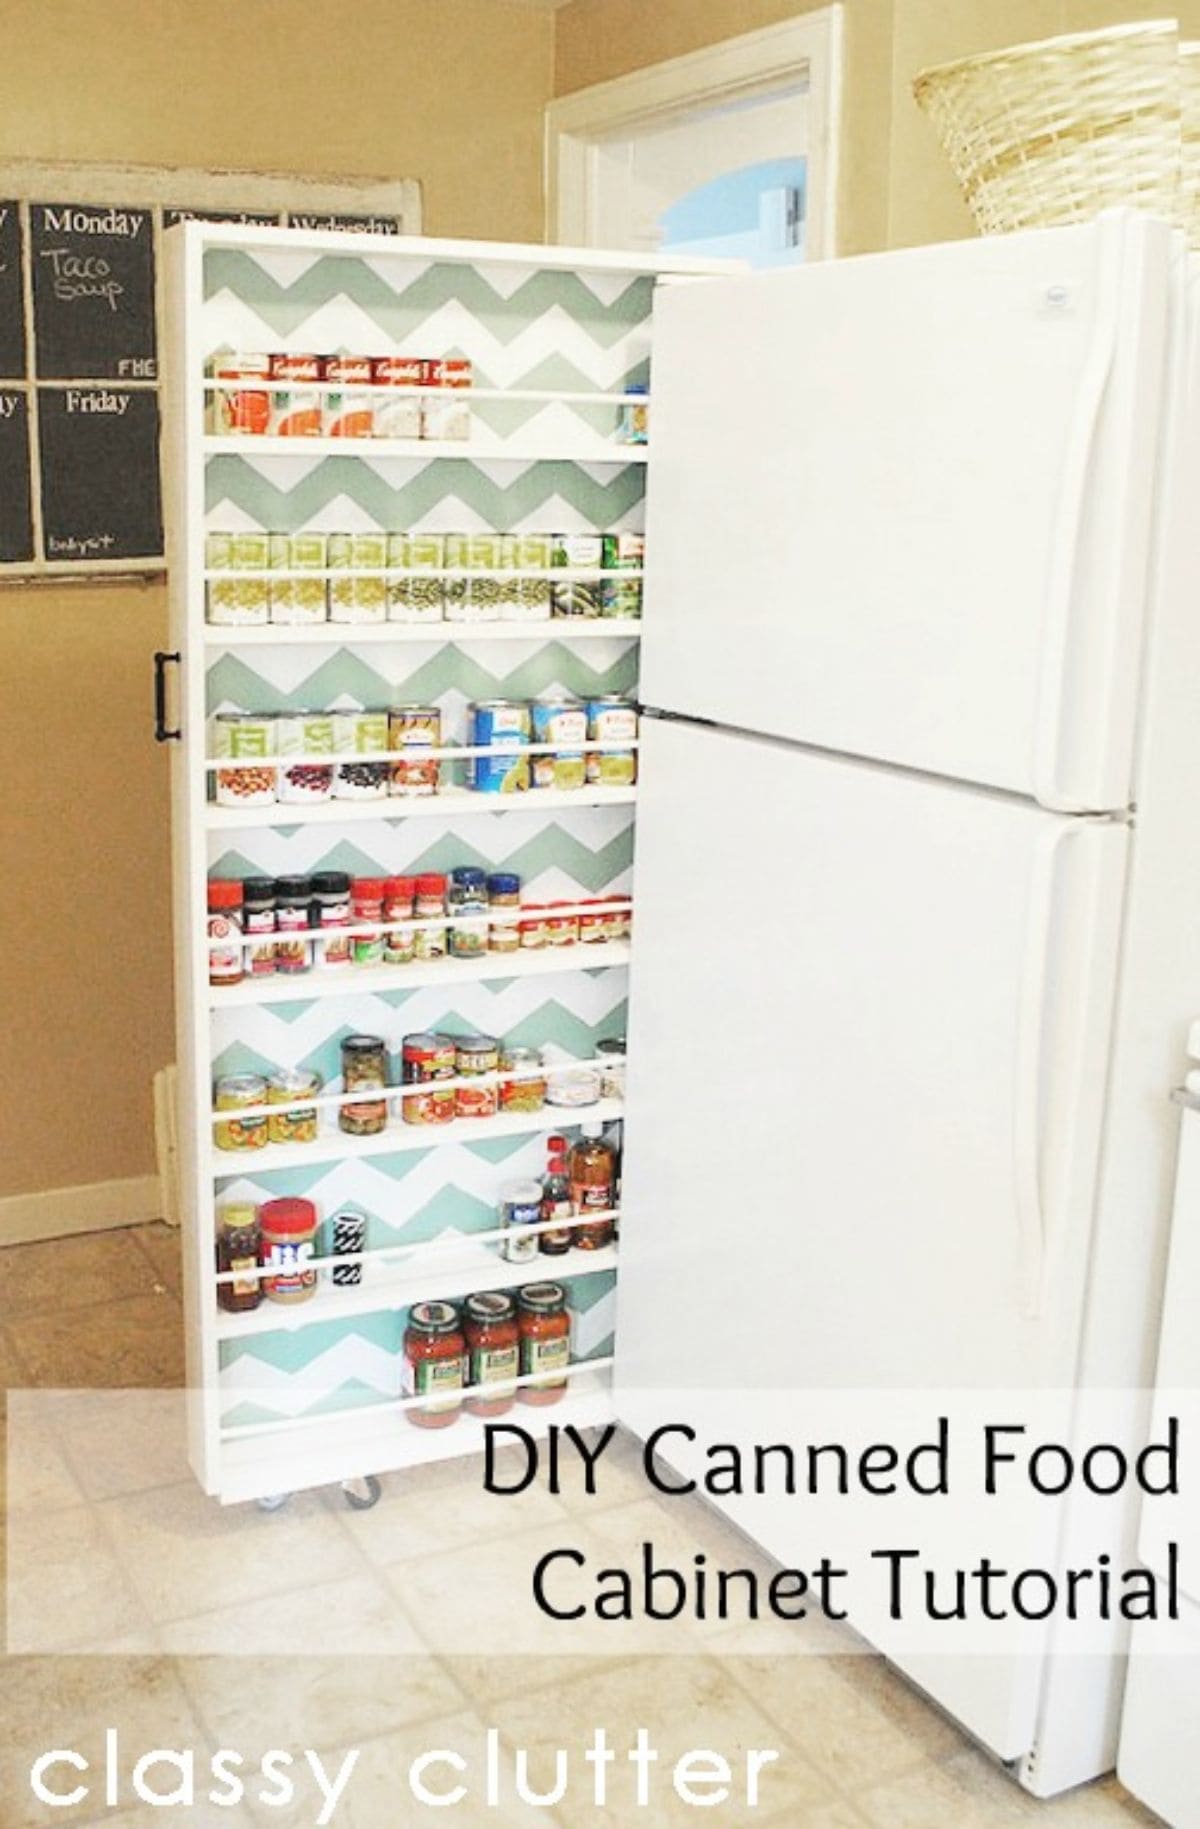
[493, 1352]
[435, 1364]
[545, 1328]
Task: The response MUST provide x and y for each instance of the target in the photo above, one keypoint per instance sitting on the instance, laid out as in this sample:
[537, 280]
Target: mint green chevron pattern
[601, 501]
[351, 677]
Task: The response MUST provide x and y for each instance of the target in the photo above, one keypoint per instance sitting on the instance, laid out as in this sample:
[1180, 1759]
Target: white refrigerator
[918, 878]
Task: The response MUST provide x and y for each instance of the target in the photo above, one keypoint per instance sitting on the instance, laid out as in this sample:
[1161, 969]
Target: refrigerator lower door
[869, 1025]
[912, 494]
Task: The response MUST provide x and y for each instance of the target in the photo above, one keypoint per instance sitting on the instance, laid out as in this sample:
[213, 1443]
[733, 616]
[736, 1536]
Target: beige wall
[447, 91]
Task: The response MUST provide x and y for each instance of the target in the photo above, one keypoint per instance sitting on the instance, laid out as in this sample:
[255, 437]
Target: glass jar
[258, 922]
[533, 925]
[523, 1081]
[399, 943]
[504, 912]
[429, 904]
[331, 910]
[366, 909]
[545, 1328]
[467, 903]
[561, 929]
[237, 1250]
[474, 1056]
[236, 1092]
[225, 922]
[493, 1344]
[289, 1232]
[293, 912]
[293, 1123]
[435, 1364]
[364, 1069]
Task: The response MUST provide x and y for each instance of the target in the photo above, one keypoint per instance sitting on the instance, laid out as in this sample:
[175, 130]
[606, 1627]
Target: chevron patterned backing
[521, 328]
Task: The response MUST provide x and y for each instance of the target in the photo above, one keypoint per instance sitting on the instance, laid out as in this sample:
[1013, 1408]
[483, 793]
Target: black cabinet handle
[163, 734]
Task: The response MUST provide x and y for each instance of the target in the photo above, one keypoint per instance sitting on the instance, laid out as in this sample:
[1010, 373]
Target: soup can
[561, 721]
[239, 405]
[504, 723]
[350, 405]
[398, 380]
[417, 728]
[612, 721]
[425, 1059]
[297, 409]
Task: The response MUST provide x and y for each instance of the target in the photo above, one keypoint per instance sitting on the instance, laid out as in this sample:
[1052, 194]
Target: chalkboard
[324, 219]
[12, 302]
[101, 497]
[255, 219]
[93, 291]
[16, 508]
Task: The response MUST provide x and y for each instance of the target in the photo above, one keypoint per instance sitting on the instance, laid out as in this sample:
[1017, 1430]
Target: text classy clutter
[567, 1587]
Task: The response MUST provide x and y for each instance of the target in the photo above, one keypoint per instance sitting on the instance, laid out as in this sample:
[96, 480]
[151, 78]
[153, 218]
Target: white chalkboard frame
[159, 188]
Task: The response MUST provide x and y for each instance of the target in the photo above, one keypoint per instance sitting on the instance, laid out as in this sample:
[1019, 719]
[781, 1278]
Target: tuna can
[559, 721]
[505, 724]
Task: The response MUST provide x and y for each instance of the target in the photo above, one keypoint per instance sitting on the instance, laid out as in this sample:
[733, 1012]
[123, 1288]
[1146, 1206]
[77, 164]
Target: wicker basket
[1050, 133]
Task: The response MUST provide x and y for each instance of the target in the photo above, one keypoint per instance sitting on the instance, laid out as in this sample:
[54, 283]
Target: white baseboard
[96, 1207]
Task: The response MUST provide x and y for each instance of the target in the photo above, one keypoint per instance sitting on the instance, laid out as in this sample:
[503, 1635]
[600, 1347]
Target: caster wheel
[273, 1501]
[361, 1495]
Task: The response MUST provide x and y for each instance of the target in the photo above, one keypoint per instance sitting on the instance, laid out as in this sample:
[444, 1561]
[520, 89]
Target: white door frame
[808, 47]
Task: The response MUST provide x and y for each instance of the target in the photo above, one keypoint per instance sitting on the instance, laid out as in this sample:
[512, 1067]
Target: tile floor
[860, 1749]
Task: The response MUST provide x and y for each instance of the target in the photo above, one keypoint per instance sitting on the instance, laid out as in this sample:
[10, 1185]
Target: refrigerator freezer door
[899, 506]
[868, 1032]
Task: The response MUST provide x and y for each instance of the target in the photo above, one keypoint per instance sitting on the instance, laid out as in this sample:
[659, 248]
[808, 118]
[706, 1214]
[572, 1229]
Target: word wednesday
[174, 1778]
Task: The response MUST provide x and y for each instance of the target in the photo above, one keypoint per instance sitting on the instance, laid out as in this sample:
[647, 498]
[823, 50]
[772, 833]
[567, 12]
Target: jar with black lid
[293, 917]
[331, 911]
[258, 924]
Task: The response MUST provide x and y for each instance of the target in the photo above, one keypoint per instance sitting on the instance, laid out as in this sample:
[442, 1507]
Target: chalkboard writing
[257, 219]
[16, 512]
[100, 480]
[372, 225]
[12, 302]
[93, 291]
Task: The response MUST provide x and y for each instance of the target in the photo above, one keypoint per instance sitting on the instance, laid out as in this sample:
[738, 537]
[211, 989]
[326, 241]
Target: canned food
[399, 943]
[360, 734]
[527, 599]
[243, 736]
[593, 926]
[308, 736]
[297, 1124]
[474, 599]
[504, 724]
[416, 599]
[476, 1055]
[237, 1092]
[572, 1085]
[559, 721]
[349, 414]
[534, 930]
[520, 1209]
[612, 1073]
[578, 552]
[298, 600]
[398, 414]
[446, 414]
[417, 728]
[504, 912]
[430, 906]
[425, 1059]
[238, 602]
[562, 929]
[621, 598]
[353, 598]
[364, 1069]
[241, 407]
[523, 1081]
[466, 902]
[613, 721]
[297, 410]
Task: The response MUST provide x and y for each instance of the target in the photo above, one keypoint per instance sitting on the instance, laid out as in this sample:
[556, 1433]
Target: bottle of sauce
[556, 1199]
[593, 1174]
[238, 1246]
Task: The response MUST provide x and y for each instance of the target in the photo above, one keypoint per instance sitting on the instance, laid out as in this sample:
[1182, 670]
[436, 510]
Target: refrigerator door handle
[1047, 787]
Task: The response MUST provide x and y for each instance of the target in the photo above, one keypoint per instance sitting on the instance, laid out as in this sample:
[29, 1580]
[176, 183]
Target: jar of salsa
[435, 1364]
[493, 1351]
[545, 1328]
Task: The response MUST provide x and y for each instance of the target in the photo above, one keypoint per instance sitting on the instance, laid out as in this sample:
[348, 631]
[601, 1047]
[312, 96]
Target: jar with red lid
[288, 1230]
[545, 1328]
[493, 1351]
[435, 1364]
[593, 927]
[225, 924]
[561, 929]
[399, 942]
[366, 910]
[533, 924]
[430, 903]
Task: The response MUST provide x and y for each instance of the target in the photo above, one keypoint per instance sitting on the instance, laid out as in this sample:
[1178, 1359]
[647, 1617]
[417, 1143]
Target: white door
[900, 506]
[868, 1030]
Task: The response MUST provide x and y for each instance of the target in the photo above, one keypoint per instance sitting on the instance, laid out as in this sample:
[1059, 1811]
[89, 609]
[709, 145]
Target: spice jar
[475, 1055]
[430, 902]
[331, 909]
[561, 929]
[293, 1123]
[533, 925]
[425, 1059]
[466, 899]
[293, 909]
[236, 1092]
[225, 905]
[545, 1328]
[493, 1344]
[289, 1231]
[435, 1354]
[258, 921]
[367, 910]
[504, 912]
[364, 1069]
[593, 922]
[237, 1250]
[523, 1081]
[399, 943]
